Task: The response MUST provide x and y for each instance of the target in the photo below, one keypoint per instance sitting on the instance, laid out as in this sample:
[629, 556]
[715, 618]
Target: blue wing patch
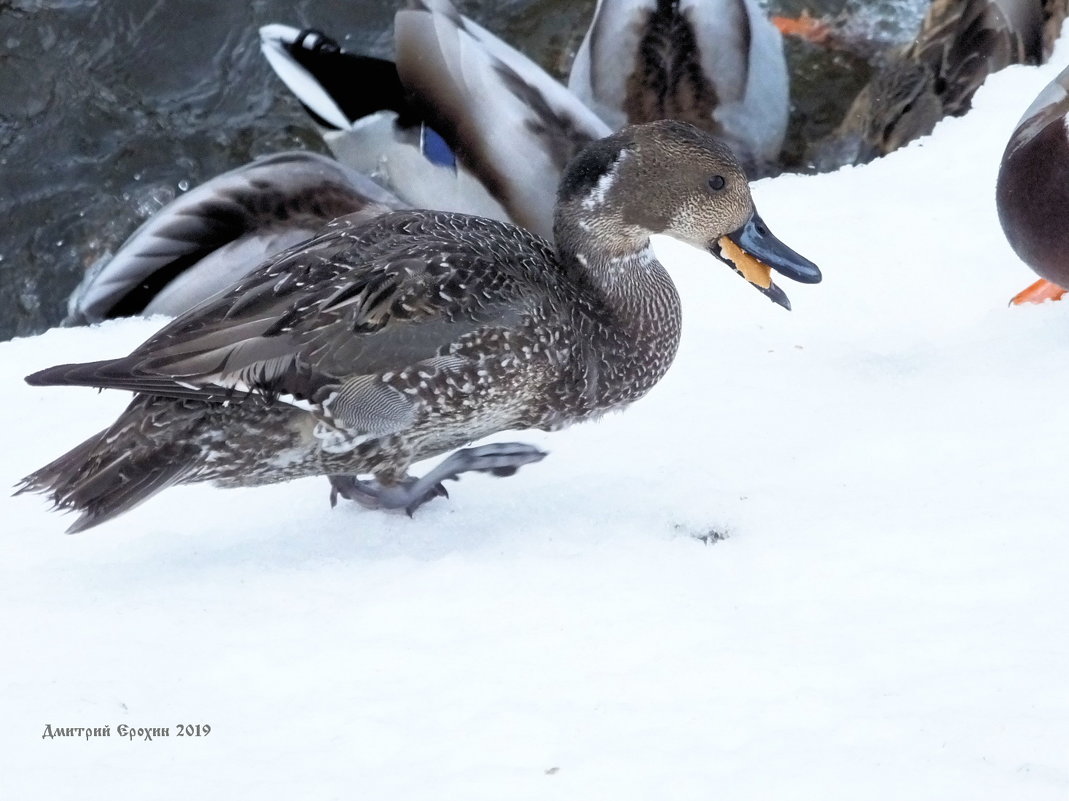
[435, 149]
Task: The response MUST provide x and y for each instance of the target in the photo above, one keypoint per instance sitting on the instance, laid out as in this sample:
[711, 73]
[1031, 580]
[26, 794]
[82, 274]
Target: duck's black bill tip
[777, 296]
[760, 243]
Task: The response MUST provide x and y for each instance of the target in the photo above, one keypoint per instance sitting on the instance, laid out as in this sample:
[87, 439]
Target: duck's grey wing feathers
[214, 234]
[600, 69]
[357, 299]
[742, 51]
[508, 122]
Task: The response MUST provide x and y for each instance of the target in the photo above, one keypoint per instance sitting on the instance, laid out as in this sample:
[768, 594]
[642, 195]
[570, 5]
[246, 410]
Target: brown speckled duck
[1032, 193]
[960, 43]
[376, 344]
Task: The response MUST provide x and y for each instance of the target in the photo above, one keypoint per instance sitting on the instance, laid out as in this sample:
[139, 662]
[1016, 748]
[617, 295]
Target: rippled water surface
[108, 108]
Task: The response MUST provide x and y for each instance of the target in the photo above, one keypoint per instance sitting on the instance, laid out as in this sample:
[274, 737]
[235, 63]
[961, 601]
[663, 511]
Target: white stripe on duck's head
[669, 177]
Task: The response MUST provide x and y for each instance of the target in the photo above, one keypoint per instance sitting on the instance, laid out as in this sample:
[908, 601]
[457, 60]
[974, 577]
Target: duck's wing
[368, 122]
[509, 123]
[359, 299]
[755, 119]
[219, 231]
[605, 58]
[1051, 104]
[718, 64]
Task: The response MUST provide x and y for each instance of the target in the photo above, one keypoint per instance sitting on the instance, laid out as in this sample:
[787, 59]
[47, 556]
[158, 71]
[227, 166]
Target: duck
[208, 238]
[960, 43]
[718, 64]
[381, 342]
[460, 121]
[1032, 192]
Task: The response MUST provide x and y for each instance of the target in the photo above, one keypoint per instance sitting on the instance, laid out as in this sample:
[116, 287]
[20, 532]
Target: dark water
[109, 108]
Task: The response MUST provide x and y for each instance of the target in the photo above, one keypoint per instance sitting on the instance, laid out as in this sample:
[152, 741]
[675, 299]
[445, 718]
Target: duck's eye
[717, 182]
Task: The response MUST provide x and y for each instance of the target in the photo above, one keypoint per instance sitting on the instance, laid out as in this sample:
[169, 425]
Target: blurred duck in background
[717, 64]
[1032, 193]
[960, 43]
[507, 126]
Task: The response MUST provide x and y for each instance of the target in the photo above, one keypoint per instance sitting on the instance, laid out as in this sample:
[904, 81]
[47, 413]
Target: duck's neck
[634, 322]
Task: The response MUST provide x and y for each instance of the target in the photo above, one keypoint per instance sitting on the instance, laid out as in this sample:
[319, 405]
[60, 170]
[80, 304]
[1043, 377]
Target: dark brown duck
[1032, 193]
[376, 344]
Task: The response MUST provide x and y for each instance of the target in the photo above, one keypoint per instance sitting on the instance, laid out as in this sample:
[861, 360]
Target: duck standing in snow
[1032, 193]
[718, 64]
[376, 344]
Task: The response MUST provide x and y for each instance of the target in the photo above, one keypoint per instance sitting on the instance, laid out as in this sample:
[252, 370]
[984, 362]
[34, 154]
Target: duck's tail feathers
[111, 472]
[123, 373]
[83, 374]
[335, 86]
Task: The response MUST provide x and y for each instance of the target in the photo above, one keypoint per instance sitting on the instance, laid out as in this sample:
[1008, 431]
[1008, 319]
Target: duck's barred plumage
[375, 344]
[478, 312]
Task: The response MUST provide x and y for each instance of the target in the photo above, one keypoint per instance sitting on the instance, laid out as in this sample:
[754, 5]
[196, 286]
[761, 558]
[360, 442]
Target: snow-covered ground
[885, 619]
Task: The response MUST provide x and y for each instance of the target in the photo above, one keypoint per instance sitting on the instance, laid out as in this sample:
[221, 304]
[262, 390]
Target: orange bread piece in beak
[752, 270]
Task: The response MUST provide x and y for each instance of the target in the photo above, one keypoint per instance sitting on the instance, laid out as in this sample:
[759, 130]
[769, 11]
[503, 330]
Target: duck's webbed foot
[499, 459]
[372, 494]
[1038, 292]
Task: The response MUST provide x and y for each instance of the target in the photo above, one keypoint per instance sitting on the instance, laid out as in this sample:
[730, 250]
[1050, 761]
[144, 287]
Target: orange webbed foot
[1040, 291]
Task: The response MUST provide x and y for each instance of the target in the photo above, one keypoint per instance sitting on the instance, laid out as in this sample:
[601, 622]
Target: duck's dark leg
[499, 459]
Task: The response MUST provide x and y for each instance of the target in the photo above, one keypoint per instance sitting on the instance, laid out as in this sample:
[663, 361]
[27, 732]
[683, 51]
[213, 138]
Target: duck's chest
[609, 363]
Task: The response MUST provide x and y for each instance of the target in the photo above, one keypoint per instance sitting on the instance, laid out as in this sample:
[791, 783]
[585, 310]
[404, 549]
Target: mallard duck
[361, 109]
[1032, 192]
[208, 238]
[718, 64]
[960, 43]
[216, 233]
[379, 343]
[510, 125]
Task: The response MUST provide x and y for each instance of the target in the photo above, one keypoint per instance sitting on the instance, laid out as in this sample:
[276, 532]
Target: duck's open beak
[753, 252]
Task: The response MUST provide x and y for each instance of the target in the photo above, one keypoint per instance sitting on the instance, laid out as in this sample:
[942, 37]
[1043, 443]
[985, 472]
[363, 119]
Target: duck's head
[669, 177]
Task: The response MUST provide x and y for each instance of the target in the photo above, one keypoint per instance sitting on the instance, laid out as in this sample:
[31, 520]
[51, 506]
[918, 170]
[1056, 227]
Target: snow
[884, 619]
